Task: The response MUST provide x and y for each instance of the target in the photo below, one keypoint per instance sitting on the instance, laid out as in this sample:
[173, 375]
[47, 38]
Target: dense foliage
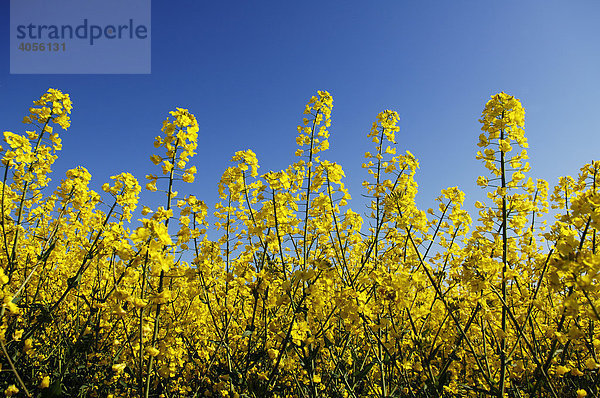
[299, 296]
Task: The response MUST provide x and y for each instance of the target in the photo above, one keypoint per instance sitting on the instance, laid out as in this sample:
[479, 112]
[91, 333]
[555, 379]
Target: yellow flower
[591, 364]
[162, 297]
[561, 370]
[11, 390]
[152, 351]
[576, 372]
[155, 159]
[10, 305]
[28, 345]
[504, 146]
[118, 368]
[139, 302]
[45, 383]
[17, 335]
[119, 311]
[272, 353]
[187, 177]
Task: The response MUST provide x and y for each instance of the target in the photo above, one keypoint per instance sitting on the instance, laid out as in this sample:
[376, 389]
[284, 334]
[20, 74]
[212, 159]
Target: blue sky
[246, 69]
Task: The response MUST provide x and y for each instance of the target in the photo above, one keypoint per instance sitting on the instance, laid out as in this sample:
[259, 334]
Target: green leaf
[54, 390]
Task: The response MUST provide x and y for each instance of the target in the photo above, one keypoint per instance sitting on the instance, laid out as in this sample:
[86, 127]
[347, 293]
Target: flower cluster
[289, 293]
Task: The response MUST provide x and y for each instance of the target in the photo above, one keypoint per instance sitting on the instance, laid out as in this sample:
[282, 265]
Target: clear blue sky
[246, 69]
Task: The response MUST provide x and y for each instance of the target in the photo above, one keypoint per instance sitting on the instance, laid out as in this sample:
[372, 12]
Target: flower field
[299, 296]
